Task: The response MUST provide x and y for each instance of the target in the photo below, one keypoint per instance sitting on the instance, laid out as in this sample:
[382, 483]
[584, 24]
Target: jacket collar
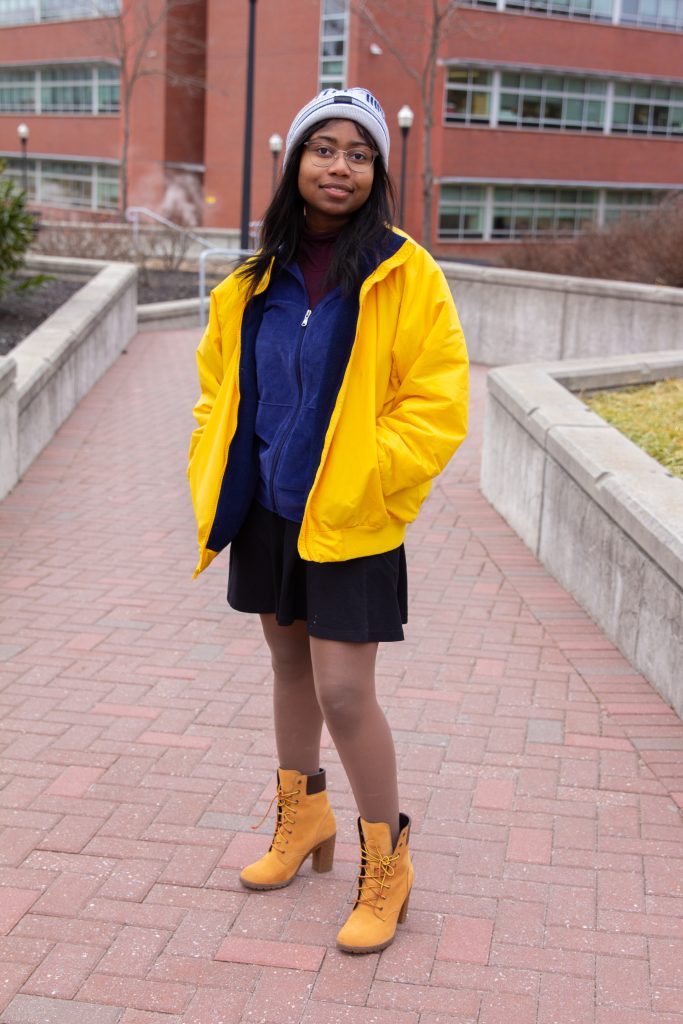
[396, 249]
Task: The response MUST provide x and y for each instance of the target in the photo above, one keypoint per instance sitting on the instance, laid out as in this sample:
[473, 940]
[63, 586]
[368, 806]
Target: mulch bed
[22, 312]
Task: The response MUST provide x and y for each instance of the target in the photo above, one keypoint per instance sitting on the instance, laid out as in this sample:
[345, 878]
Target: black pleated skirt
[361, 600]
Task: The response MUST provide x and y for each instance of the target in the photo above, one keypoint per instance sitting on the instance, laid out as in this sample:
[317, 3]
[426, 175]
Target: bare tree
[128, 38]
[413, 33]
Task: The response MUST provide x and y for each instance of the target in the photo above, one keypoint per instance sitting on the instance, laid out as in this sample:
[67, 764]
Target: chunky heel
[403, 912]
[323, 855]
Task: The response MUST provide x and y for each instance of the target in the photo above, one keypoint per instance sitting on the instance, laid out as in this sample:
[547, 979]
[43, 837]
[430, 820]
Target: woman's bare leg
[344, 675]
[298, 719]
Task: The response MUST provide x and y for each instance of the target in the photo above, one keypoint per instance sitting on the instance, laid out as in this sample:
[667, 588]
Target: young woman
[333, 380]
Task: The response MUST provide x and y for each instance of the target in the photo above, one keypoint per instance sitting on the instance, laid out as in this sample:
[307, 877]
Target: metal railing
[234, 254]
[133, 215]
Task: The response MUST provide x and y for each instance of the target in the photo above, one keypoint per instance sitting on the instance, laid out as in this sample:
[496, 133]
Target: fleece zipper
[287, 431]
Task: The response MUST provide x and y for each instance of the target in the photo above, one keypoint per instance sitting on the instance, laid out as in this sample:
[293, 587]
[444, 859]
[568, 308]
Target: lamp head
[23, 132]
[405, 117]
[275, 143]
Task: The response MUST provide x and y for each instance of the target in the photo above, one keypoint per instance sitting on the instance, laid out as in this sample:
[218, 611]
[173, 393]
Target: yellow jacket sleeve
[427, 419]
[210, 368]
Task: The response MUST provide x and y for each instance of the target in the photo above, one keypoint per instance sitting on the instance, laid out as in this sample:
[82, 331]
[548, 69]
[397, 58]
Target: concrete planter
[602, 516]
[516, 316]
[47, 374]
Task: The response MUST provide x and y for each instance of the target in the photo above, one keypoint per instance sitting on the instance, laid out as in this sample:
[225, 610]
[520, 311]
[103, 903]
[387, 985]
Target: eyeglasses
[322, 155]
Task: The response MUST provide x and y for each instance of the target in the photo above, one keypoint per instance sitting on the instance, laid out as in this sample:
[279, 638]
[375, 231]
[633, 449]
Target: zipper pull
[305, 319]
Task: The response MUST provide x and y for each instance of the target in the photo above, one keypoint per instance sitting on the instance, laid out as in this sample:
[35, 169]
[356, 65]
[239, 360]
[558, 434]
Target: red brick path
[544, 776]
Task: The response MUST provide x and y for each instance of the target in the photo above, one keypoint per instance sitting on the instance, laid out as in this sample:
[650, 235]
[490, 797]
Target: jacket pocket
[355, 496]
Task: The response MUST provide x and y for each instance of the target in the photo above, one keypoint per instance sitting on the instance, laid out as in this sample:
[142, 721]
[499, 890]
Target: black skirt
[361, 600]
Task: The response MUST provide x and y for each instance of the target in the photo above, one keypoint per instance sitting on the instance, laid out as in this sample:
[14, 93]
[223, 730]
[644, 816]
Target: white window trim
[601, 190]
[93, 83]
[322, 83]
[616, 18]
[496, 89]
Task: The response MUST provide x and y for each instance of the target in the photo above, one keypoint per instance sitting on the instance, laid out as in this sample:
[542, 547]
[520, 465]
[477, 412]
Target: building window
[17, 91]
[653, 13]
[642, 109]
[25, 12]
[522, 212]
[552, 101]
[545, 100]
[60, 89]
[661, 14]
[334, 27]
[507, 212]
[71, 184]
[628, 203]
[598, 10]
[461, 212]
[468, 95]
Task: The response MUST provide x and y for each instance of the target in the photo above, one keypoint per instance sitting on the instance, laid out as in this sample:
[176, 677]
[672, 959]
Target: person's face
[333, 192]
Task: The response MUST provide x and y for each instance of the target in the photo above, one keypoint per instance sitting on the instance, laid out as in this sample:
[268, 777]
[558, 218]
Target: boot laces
[375, 870]
[285, 817]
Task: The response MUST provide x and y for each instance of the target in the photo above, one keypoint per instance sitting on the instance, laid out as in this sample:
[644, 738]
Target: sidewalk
[543, 775]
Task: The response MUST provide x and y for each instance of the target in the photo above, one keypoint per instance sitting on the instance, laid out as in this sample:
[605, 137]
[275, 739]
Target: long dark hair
[360, 238]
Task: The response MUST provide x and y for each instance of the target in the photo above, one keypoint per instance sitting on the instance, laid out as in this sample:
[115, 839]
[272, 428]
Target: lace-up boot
[384, 883]
[305, 825]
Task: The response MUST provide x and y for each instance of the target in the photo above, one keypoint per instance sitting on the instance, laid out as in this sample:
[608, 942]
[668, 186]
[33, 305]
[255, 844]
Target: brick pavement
[544, 776]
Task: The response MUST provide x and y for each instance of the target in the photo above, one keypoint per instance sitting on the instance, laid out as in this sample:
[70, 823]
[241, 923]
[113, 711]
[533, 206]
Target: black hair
[283, 225]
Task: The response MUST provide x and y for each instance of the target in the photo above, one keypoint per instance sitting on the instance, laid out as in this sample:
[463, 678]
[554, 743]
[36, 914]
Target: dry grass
[648, 249]
[650, 415]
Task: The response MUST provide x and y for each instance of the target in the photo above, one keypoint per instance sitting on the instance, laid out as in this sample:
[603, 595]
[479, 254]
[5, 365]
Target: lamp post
[275, 143]
[405, 122]
[248, 130]
[23, 133]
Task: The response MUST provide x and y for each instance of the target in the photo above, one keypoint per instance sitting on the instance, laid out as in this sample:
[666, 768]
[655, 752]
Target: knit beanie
[355, 104]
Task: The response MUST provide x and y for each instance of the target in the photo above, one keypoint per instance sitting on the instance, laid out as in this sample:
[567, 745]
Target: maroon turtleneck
[315, 257]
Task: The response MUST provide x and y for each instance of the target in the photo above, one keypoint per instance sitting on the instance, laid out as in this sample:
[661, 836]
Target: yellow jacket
[400, 413]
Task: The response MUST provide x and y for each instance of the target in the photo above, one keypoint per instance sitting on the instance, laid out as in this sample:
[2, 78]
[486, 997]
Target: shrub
[647, 248]
[16, 235]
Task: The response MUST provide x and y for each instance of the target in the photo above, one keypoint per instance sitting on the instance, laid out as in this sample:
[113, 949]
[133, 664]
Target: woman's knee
[289, 648]
[344, 702]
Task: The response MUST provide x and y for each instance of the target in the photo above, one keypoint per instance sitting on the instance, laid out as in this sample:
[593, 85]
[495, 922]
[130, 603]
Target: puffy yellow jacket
[400, 413]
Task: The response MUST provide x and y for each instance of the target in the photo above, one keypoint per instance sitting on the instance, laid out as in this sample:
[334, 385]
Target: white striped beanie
[355, 104]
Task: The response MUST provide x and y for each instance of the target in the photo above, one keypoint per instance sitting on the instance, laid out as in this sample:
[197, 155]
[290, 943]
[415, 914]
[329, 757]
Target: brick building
[548, 115]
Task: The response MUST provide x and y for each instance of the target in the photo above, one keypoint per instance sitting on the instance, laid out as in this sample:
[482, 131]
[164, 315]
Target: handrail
[203, 256]
[133, 214]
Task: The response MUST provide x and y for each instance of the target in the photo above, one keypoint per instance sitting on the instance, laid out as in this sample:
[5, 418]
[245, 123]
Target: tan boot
[384, 884]
[305, 825]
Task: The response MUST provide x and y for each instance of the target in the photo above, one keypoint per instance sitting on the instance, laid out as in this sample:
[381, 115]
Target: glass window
[60, 89]
[17, 91]
[643, 109]
[629, 203]
[461, 212]
[468, 95]
[69, 183]
[24, 12]
[561, 102]
[522, 211]
[551, 101]
[653, 13]
[333, 43]
[663, 14]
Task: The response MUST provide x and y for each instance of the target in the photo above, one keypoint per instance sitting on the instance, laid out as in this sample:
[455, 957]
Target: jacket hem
[353, 542]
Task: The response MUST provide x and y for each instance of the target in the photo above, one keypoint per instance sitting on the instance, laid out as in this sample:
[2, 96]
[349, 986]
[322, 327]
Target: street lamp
[405, 122]
[248, 130]
[275, 143]
[23, 133]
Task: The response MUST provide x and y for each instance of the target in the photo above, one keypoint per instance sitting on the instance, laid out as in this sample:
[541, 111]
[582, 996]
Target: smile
[337, 189]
